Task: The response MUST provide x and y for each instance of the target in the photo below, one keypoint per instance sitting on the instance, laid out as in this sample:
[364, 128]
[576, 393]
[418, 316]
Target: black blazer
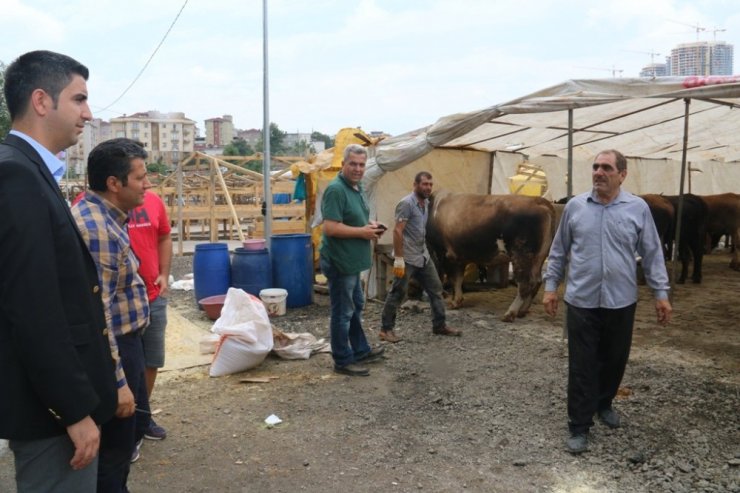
[55, 360]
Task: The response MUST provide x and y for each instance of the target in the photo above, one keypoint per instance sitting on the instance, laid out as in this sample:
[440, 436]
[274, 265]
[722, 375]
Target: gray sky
[391, 65]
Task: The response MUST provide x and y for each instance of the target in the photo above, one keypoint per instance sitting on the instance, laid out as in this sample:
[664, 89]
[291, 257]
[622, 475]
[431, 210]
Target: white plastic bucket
[274, 300]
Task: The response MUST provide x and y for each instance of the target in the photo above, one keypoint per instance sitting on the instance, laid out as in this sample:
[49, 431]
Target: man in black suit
[56, 369]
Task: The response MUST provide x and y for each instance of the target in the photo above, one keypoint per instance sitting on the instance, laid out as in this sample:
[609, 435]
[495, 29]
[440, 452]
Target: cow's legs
[520, 305]
[698, 253]
[528, 272]
[734, 264]
[458, 273]
[524, 292]
[683, 255]
[528, 298]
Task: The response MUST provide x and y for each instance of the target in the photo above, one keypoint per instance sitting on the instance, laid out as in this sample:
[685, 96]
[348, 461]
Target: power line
[150, 58]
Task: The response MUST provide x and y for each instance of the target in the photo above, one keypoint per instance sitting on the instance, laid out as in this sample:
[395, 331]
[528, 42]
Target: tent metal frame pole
[490, 172]
[266, 131]
[570, 152]
[679, 212]
[570, 189]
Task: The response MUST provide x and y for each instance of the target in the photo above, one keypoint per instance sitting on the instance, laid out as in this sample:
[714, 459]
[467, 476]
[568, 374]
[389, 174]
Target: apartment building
[251, 136]
[293, 139]
[167, 137]
[95, 132]
[654, 70]
[219, 131]
[701, 58]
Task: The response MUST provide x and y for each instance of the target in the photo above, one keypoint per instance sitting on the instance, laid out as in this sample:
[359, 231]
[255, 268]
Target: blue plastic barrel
[251, 270]
[281, 198]
[292, 267]
[211, 269]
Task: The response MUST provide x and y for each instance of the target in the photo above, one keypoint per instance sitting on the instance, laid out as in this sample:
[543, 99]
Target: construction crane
[651, 53]
[652, 57]
[696, 27]
[613, 70]
[717, 30]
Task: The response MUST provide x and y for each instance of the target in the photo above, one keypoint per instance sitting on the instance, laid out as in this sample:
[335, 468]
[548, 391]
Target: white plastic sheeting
[643, 118]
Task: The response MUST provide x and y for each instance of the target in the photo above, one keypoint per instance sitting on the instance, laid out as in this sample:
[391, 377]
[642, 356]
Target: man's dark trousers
[118, 436]
[599, 341]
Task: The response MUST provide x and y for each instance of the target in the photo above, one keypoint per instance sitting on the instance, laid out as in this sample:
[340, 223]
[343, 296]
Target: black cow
[693, 232]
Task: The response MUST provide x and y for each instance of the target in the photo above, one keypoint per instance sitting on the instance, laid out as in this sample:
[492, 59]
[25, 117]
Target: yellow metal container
[532, 186]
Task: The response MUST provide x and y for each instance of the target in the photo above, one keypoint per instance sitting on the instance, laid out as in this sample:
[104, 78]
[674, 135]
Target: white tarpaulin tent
[643, 118]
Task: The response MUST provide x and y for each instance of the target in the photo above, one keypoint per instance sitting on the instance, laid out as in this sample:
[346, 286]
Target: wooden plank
[243, 211]
[232, 210]
[281, 227]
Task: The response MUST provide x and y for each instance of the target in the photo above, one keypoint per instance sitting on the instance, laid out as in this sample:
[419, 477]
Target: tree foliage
[301, 148]
[238, 147]
[277, 141]
[254, 166]
[319, 137]
[4, 114]
[158, 166]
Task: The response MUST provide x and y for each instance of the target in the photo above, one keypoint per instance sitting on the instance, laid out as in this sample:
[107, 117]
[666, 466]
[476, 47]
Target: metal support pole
[266, 131]
[570, 153]
[570, 188]
[679, 212]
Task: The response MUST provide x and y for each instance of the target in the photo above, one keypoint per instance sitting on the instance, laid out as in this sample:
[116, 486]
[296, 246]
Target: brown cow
[467, 228]
[724, 219]
[663, 216]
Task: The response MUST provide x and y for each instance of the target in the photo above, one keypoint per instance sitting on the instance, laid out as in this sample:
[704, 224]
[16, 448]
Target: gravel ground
[483, 413]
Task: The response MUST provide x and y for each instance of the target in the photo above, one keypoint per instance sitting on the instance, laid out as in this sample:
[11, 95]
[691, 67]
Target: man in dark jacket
[56, 369]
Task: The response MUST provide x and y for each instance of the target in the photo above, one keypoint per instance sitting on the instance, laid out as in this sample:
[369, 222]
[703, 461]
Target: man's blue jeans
[348, 341]
[429, 280]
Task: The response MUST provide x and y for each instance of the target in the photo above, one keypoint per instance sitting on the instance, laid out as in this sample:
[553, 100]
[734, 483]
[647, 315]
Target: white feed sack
[246, 334]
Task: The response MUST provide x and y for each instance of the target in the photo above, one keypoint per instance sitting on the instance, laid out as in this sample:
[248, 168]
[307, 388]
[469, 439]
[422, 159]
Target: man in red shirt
[149, 230]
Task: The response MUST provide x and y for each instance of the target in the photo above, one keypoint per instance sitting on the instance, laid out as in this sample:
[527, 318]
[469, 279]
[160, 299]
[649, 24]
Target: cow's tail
[548, 234]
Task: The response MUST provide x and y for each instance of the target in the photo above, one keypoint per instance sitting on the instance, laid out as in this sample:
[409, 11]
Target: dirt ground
[482, 413]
